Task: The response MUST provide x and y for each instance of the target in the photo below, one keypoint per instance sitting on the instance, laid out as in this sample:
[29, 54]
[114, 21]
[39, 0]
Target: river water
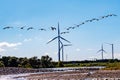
[12, 77]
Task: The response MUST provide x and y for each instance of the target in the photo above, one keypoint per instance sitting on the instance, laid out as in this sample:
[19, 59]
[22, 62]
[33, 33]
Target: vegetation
[34, 62]
[113, 66]
[46, 62]
[1, 64]
[60, 64]
[108, 63]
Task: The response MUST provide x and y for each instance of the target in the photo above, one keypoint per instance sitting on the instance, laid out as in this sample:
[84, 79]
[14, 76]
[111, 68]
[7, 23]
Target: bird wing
[68, 45]
[22, 27]
[42, 29]
[4, 28]
[28, 28]
[7, 27]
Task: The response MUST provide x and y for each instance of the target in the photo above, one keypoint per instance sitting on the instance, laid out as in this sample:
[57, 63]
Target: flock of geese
[28, 28]
[91, 20]
[68, 28]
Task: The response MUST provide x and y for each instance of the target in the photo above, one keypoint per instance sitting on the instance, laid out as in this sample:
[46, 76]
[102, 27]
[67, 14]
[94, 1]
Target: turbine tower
[62, 48]
[112, 49]
[102, 51]
[59, 42]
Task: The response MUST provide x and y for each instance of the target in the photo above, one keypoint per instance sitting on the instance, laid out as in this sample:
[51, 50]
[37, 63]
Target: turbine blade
[64, 39]
[52, 40]
[104, 51]
[99, 51]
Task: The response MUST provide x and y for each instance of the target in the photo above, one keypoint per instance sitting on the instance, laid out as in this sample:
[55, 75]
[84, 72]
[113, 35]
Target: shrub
[1, 64]
[60, 64]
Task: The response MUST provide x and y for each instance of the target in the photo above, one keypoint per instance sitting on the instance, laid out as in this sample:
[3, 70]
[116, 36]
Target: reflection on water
[72, 68]
[11, 77]
[45, 70]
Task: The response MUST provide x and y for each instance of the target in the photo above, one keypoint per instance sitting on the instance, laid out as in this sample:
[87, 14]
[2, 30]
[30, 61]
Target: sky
[86, 39]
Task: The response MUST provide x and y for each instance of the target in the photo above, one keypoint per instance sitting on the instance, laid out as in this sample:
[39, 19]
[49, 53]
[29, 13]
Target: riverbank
[18, 70]
[86, 73]
[15, 70]
[76, 75]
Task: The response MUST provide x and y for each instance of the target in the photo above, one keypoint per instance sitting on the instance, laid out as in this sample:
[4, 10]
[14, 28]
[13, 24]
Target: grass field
[108, 64]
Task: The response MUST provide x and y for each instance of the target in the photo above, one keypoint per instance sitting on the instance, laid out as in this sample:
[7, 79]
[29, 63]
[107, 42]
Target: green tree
[25, 63]
[60, 64]
[34, 62]
[2, 64]
[5, 60]
[46, 61]
[12, 62]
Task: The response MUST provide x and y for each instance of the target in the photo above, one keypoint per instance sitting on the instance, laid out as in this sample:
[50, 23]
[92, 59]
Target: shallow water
[71, 68]
[12, 77]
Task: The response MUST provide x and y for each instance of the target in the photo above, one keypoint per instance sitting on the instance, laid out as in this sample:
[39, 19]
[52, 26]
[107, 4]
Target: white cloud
[47, 53]
[20, 35]
[2, 50]
[37, 38]
[78, 49]
[92, 57]
[117, 55]
[15, 48]
[16, 23]
[109, 55]
[6, 44]
[90, 49]
[27, 40]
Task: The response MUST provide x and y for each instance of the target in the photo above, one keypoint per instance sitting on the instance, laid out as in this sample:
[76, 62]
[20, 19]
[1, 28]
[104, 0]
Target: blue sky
[86, 40]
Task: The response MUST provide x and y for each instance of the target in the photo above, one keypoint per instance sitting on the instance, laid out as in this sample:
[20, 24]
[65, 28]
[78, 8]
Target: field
[107, 63]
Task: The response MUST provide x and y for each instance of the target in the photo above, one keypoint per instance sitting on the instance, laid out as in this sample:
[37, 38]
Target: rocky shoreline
[76, 74]
[15, 70]
[105, 74]
[18, 70]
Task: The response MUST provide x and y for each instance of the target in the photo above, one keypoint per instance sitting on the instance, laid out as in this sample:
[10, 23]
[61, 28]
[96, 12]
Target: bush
[60, 64]
[28, 66]
[1, 64]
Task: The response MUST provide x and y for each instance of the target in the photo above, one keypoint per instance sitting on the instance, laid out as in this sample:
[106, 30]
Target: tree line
[33, 62]
[46, 62]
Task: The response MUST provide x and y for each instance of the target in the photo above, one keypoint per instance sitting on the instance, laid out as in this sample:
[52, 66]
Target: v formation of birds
[67, 29]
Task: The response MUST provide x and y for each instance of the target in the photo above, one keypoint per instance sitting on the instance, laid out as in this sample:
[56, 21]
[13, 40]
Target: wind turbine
[112, 49]
[59, 41]
[62, 47]
[102, 51]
